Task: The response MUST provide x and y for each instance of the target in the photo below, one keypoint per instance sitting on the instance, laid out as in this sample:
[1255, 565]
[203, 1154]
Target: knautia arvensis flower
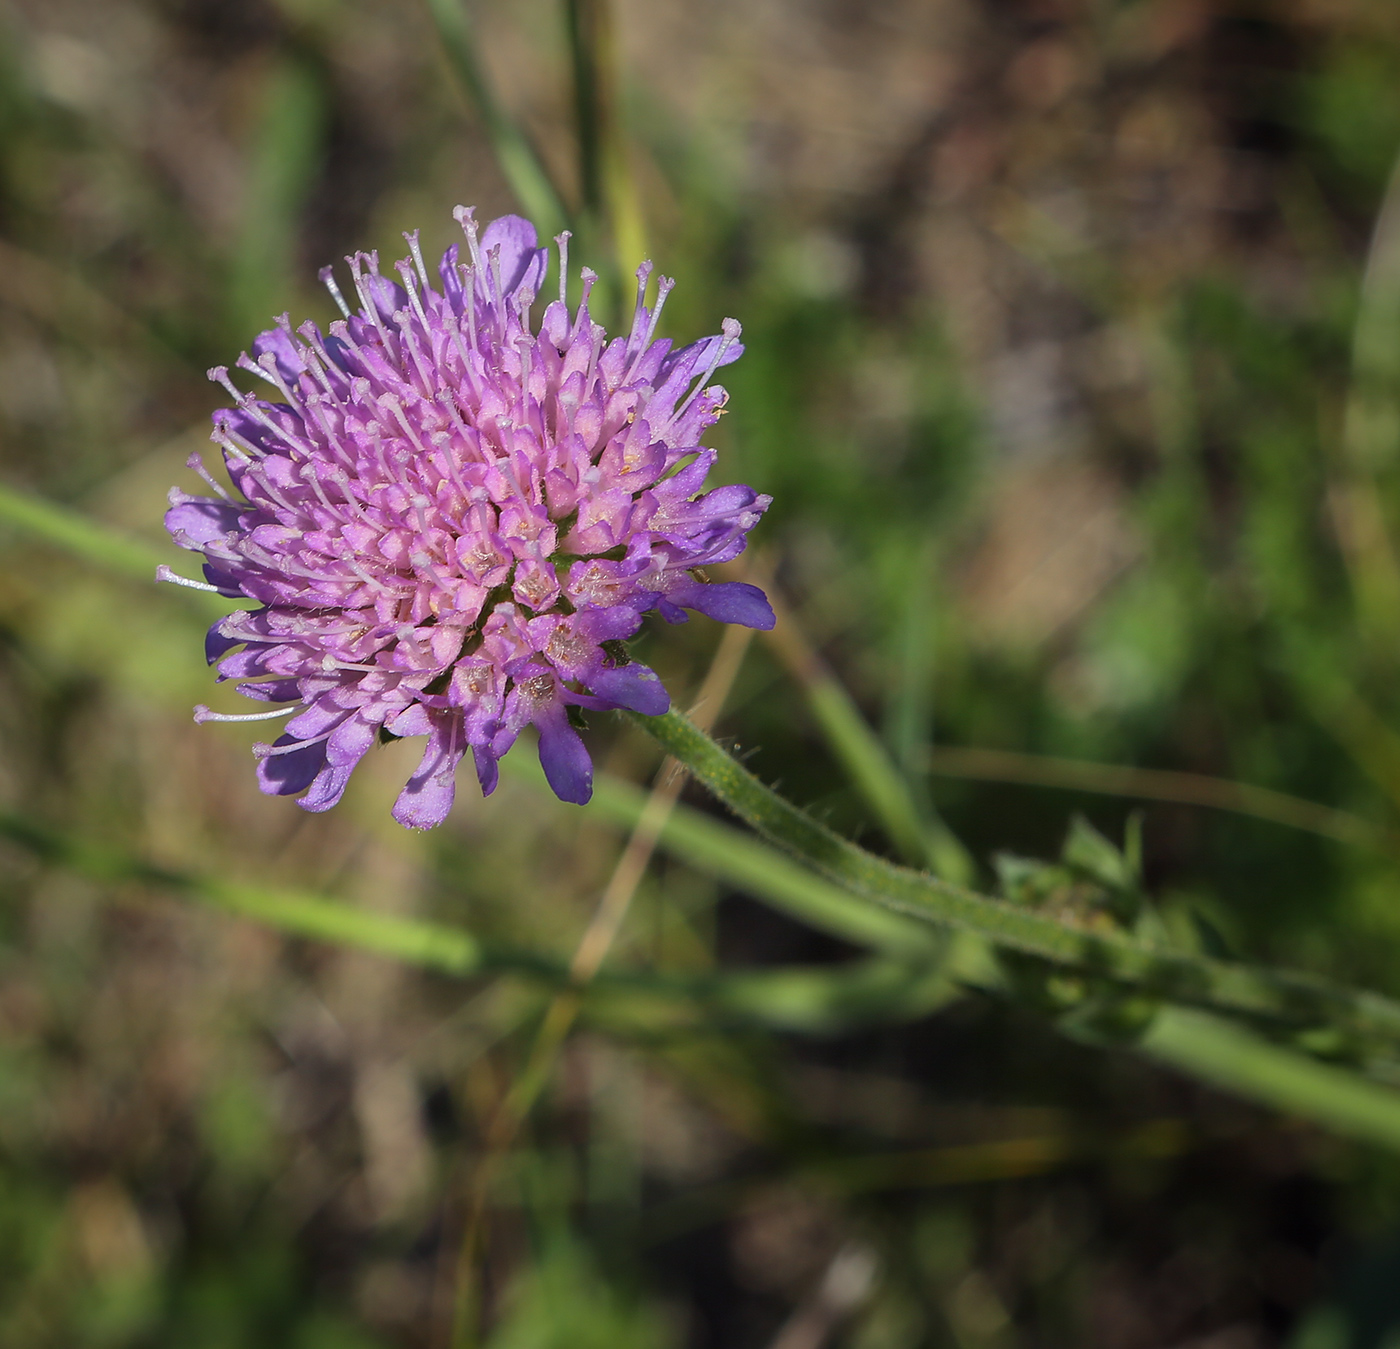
[452, 520]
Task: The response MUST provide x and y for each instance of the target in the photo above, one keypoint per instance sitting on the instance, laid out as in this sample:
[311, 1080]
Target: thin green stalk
[822, 998]
[431, 945]
[614, 226]
[281, 162]
[919, 835]
[520, 162]
[1238, 1061]
[75, 533]
[1174, 976]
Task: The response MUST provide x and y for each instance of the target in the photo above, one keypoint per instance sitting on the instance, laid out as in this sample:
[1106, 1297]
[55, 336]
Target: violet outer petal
[351, 740]
[228, 585]
[287, 774]
[727, 602]
[563, 756]
[327, 789]
[635, 686]
[413, 720]
[272, 691]
[202, 519]
[321, 716]
[427, 796]
[616, 623]
[216, 644]
[520, 260]
[488, 772]
[284, 352]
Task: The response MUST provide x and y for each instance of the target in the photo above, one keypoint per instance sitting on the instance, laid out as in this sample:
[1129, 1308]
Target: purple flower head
[452, 520]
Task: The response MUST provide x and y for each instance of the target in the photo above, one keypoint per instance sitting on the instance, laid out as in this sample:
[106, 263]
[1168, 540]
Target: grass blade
[1238, 1061]
[920, 836]
[519, 161]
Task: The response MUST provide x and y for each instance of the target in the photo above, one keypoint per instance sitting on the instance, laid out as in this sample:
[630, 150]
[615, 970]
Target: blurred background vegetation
[1073, 356]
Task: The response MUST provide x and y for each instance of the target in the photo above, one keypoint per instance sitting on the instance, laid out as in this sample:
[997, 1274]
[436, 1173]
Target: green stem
[1174, 976]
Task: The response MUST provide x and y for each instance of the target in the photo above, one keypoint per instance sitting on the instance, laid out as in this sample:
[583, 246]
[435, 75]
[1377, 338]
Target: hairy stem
[1174, 976]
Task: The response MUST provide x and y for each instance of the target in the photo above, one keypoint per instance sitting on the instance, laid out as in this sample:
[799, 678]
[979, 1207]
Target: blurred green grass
[1051, 329]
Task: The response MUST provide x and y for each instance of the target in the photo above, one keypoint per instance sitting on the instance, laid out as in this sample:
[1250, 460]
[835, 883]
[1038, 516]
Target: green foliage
[1353, 108]
[562, 1301]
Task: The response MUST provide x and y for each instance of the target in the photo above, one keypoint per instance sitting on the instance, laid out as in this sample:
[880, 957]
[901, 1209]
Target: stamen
[370, 307]
[465, 216]
[312, 334]
[219, 375]
[312, 472]
[469, 300]
[423, 563]
[410, 340]
[643, 276]
[266, 366]
[374, 582]
[562, 241]
[247, 403]
[447, 400]
[588, 276]
[493, 256]
[197, 464]
[395, 405]
[442, 443]
[202, 714]
[411, 286]
[341, 331]
[327, 278]
[664, 287]
[412, 237]
[164, 573]
[259, 475]
[222, 437]
[342, 480]
[730, 329]
[455, 328]
[262, 751]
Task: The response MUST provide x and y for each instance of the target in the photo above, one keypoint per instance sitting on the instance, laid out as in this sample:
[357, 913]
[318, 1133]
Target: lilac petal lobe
[521, 263]
[633, 686]
[728, 602]
[287, 774]
[284, 351]
[201, 520]
[427, 796]
[488, 773]
[564, 757]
